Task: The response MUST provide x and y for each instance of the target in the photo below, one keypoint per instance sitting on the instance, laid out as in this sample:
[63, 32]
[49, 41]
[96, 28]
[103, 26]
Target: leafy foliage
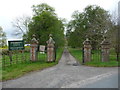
[93, 23]
[45, 22]
[40, 8]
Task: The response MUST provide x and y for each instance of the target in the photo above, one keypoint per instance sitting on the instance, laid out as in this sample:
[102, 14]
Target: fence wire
[9, 58]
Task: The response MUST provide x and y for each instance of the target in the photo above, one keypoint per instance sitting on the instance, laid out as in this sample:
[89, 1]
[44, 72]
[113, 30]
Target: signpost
[16, 45]
[42, 48]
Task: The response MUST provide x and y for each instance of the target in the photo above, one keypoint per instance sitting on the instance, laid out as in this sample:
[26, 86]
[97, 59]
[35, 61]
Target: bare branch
[21, 25]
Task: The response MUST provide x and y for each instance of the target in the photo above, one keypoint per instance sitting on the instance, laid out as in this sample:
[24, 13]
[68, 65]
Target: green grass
[96, 58]
[102, 64]
[0, 71]
[77, 53]
[17, 58]
[18, 70]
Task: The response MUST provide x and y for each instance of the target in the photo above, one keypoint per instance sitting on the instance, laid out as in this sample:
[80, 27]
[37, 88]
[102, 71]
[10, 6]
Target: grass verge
[96, 61]
[19, 70]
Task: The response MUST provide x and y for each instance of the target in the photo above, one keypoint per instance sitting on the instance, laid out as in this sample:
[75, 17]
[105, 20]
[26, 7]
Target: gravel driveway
[68, 73]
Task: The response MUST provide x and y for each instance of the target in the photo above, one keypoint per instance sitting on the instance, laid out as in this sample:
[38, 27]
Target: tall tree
[94, 23]
[114, 33]
[98, 23]
[2, 38]
[76, 30]
[45, 22]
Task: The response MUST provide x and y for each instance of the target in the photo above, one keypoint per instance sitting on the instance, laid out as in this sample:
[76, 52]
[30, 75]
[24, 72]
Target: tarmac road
[107, 80]
[67, 74]
[110, 81]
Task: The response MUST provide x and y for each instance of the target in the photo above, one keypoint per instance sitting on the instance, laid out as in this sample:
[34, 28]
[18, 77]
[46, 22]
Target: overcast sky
[11, 9]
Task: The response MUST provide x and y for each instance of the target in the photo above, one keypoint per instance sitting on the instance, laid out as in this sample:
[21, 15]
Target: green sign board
[16, 45]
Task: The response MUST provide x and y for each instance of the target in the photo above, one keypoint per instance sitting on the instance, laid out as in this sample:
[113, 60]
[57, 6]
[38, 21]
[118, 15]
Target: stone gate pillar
[87, 50]
[33, 49]
[50, 49]
[105, 46]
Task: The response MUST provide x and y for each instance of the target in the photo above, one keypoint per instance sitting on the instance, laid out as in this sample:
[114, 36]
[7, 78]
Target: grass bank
[19, 70]
[96, 59]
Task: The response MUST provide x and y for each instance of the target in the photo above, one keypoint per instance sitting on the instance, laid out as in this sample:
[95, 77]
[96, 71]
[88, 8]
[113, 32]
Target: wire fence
[9, 58]
[96, 55]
